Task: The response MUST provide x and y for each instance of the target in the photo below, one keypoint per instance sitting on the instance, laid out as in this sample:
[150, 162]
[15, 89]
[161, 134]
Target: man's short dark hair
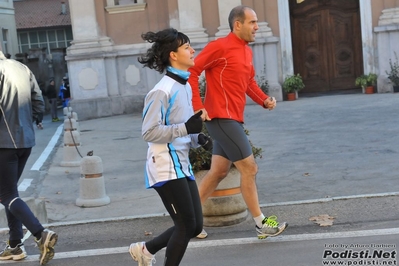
[237, 13]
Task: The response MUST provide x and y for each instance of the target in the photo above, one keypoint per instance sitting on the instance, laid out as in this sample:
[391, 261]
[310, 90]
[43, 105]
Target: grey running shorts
[229, 139]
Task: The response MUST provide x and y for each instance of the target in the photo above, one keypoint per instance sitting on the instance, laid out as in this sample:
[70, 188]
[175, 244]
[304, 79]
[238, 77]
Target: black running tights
[182, 201]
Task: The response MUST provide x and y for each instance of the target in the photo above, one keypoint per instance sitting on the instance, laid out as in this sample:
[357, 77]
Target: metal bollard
[92, 187]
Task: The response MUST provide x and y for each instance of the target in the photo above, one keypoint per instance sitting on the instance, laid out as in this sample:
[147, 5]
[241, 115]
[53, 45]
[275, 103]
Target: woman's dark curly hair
[164, 42]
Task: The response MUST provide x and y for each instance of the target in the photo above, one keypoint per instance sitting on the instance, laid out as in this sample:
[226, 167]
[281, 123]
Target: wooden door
[326, 41]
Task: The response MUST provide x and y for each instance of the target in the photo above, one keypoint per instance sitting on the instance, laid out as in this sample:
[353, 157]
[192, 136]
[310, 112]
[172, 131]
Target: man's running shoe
[202, 235]
[17, 253]
[270, 227]
[136, 251]
[46, 246]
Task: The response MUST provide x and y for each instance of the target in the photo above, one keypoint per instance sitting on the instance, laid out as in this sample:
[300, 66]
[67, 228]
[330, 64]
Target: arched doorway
[326, 43]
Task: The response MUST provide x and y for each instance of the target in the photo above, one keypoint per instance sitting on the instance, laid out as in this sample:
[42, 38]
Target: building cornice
[125, 8]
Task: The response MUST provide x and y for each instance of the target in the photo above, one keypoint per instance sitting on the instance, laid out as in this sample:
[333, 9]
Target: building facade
[8, 34]
[44, 32]
[329, 42]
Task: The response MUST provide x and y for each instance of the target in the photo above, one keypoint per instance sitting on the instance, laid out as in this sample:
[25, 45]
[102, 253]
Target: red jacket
[230, 75]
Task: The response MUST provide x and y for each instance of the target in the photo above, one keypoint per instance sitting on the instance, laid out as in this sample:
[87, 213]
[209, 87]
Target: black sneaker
[46, 246]
[17, 253]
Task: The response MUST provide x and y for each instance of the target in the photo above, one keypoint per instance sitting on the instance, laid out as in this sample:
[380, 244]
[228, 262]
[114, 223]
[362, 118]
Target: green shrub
[393, 74]
[201, 159]
[366, 80]
[293, 83]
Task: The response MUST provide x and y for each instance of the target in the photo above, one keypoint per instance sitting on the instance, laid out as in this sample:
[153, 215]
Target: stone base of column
[264, 30]
[223, 31]
[196, 35]
[389, 16]
[108, 106]
[101, 44]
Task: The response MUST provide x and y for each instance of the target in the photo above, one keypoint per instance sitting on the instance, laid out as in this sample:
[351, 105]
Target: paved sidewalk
[313, 148]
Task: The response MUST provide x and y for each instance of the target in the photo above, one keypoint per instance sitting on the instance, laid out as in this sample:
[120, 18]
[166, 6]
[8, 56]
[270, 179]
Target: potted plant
[292, 84]
[262, 82]
[202, 87]
[201, 159]
[367, 82]
[393, 74]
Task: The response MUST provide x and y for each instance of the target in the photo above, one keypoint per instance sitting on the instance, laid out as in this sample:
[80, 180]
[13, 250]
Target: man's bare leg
[267, 226]
[248, 169]
[220, 167]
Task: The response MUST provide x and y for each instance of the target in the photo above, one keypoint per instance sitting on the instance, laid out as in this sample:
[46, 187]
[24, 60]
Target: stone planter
[226, 205]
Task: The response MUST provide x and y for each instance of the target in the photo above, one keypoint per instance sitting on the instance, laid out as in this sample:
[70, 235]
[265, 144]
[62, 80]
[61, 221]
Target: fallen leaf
[306, 174]
[147, 233]
[322, 219]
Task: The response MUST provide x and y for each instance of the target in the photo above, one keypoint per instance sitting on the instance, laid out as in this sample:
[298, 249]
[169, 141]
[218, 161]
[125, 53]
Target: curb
[37, 206]
[40, 205]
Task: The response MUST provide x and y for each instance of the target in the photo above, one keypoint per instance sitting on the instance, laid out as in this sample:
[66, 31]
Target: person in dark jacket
[65, 93]
[20, 102]
[51, 94]
[39, 117]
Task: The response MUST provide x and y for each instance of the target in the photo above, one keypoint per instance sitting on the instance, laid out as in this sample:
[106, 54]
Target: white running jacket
[166, 108]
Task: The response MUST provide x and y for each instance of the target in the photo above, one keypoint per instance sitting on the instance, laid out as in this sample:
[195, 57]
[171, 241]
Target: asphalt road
[341, 166]
[371, 227]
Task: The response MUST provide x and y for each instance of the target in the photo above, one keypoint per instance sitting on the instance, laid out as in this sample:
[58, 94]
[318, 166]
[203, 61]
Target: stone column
[225, 6]
[387, 33]
[287, 63]
[190, 20]
[87, 38]
[367, 36]
[88, 64]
